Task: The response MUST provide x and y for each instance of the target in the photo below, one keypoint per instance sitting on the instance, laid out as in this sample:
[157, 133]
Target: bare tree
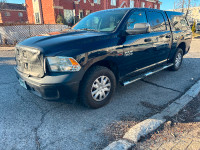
[188, 7]
[184, 5]
[2, 4]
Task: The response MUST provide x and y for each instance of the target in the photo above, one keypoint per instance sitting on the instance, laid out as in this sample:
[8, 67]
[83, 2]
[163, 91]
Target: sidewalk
[179, 133]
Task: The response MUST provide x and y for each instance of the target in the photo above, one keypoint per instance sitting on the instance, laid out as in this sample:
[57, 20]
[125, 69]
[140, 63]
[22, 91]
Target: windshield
[101, 21]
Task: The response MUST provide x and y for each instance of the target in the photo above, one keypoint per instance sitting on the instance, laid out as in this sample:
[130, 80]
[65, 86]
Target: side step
[134, 79]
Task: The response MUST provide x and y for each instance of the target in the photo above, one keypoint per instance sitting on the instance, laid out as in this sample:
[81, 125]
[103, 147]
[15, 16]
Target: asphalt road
[29, 122]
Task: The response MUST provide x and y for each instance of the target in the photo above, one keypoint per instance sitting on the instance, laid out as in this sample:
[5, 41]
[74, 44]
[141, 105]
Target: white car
[198, 27]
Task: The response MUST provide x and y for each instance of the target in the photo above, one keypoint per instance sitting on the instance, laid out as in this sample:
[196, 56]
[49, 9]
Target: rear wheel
[177, 60]
[97, 87]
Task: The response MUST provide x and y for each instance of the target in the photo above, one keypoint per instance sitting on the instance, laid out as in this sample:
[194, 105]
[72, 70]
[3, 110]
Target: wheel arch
[182, 45]
[105, 63]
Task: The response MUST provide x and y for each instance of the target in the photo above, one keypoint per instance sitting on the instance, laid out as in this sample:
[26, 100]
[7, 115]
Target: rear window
[178, 23]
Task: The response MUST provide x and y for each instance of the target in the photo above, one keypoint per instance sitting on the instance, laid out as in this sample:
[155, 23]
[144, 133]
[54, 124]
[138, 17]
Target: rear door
[161, 34]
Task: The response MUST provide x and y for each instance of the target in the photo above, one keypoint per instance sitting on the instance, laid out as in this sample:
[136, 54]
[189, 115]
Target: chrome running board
[134, 79]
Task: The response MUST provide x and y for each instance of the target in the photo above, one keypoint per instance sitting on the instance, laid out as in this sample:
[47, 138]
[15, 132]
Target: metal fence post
[29, 30]
[48, 27]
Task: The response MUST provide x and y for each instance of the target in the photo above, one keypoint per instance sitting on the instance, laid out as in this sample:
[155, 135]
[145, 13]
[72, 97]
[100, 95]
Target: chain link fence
[10, 35]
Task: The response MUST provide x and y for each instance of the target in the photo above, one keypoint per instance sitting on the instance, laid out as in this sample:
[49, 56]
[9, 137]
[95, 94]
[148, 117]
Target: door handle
[161, 36]
[114, 52]
[147, 40]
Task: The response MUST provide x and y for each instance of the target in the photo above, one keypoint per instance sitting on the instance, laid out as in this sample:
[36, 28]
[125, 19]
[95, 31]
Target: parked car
[198, 27]
[191, 25]
[105, 48]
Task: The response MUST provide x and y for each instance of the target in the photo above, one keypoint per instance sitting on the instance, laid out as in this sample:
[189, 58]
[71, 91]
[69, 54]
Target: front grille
[29, 61]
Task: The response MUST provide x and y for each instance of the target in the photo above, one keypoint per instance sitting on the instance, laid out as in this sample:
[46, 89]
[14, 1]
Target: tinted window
[136, 17]
[179, 23]
[156, 21]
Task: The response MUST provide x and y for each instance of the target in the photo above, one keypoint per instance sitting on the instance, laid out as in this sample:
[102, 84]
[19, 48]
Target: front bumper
[55, 86]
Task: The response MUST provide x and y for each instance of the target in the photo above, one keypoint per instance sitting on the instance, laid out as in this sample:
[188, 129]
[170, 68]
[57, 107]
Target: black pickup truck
[105, 48]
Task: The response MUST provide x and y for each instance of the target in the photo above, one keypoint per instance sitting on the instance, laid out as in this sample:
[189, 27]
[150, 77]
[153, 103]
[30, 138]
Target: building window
[81, 14]
[143, 4]
[37, 18]
[20, 14]
[87, 12]
[113, 2]
[131, 3]
[155, 6]
[7, 14]
[95, 1]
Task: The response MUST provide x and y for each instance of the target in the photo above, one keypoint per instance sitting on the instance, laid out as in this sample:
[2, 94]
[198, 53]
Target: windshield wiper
[89, 29]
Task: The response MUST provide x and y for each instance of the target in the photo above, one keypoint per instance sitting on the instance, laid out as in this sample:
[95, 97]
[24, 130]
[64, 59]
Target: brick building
[46, 11]
[13, 13]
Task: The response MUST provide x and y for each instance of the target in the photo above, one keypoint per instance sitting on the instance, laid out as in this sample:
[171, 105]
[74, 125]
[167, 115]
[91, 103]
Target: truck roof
[174, 13]
[168, 12]
[131, 9]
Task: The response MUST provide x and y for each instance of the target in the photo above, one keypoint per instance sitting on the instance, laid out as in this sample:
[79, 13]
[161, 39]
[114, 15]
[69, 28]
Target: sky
[166, 4]
[16, 1]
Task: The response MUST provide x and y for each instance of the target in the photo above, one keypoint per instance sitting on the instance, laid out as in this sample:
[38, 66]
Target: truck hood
[57, 42]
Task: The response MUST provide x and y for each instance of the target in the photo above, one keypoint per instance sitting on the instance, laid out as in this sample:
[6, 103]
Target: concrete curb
[7, 48]
[120, 145]
[147, 126]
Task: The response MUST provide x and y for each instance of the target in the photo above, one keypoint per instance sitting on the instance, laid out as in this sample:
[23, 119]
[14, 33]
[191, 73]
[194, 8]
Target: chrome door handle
[147, 40]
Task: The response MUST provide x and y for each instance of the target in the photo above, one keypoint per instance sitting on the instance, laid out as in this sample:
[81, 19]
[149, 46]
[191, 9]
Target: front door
[139, 50]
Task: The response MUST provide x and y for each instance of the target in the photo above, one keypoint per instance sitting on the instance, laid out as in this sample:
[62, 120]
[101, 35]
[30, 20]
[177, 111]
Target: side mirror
[139, 28]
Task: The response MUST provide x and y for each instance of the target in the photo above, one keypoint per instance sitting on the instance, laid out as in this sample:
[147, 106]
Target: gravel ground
[182, 128]
[116, 130]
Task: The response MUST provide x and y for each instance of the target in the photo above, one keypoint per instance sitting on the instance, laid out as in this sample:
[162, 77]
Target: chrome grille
[29, 61]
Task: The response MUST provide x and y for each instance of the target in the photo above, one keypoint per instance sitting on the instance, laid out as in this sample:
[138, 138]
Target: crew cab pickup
[105, 48]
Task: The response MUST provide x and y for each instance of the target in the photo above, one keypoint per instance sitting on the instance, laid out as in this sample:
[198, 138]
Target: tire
[102, 92]
[177, 60]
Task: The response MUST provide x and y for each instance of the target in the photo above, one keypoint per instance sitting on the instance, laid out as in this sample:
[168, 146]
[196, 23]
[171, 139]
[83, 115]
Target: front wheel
[97, 87]
[177, 60]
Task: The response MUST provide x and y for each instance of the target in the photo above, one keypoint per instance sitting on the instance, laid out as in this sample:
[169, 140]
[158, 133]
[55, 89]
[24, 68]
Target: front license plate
[22, 83]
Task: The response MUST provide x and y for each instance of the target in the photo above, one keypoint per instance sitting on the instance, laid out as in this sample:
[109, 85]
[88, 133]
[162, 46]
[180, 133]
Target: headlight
[63, 64]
